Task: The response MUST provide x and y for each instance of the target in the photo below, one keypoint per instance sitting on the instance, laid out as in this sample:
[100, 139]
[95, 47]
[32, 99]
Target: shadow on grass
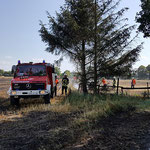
[52, 131]
[122, 131]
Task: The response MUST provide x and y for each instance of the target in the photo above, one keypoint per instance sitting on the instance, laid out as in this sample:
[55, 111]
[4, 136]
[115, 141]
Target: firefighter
[114, 82]
[56, 83]
[65, 82]
[104, 82]
[133, 82]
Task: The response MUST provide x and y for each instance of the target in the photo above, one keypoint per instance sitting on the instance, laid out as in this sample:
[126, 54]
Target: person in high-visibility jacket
[104, 82]
[133, 82]
[56, 83]
[65, 82]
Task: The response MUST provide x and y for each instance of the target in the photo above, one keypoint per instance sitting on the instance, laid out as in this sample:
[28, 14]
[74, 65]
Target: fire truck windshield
[31, 70]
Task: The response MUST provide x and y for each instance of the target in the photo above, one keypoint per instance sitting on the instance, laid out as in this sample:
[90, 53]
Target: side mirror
[13, 70]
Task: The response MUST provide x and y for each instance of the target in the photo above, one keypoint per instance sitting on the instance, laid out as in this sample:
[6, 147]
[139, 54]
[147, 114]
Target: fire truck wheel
[47, 99]
[14, 101]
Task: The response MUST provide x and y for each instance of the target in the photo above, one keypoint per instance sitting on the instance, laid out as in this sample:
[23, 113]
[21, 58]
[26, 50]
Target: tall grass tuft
[94, 107]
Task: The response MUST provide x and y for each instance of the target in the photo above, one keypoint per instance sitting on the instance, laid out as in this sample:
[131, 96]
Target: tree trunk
[83, 77]
[95, 52]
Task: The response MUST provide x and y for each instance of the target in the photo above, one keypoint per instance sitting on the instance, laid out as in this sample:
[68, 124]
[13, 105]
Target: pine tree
[114, 53]
[91, 33]
[143, 17]
[70, 33]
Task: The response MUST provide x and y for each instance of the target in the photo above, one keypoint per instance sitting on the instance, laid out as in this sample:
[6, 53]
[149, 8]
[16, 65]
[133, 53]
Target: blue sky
[19, 36]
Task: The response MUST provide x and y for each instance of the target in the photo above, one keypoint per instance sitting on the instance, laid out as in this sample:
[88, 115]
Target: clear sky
[19, 36]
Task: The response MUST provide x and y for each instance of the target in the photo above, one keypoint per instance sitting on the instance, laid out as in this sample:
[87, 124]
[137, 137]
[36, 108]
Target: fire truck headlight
[14, 93]
[42, 92]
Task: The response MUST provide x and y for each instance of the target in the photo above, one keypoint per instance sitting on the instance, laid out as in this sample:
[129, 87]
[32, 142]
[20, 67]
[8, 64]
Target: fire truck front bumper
[28, 93]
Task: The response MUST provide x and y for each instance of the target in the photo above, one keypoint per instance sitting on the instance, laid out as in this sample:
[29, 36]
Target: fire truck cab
[32, 80]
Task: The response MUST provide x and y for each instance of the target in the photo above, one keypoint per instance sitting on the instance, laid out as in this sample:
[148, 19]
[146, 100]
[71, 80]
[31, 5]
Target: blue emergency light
[19, 62]
[44, 61]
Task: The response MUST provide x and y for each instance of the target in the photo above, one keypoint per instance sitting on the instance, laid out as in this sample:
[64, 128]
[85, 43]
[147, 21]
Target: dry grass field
[139, 83]
[132, 92]
[5, 83]
[4, 86]
[4, 98]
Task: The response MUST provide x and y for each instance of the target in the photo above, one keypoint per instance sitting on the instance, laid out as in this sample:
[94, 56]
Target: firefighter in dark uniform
[56, 83]
[65, 82]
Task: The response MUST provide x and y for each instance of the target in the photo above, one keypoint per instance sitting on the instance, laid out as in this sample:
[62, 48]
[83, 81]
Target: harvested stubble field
[78, 123]
[132, 92]
[139, 83]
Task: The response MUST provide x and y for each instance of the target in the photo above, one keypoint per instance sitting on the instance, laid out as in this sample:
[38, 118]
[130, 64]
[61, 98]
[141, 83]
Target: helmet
[65, 75]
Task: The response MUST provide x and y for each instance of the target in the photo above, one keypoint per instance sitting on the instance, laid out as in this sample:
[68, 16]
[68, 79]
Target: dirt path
[59, 98]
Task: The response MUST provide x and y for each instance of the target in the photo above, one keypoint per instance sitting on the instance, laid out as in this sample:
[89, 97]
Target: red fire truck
[32, 80]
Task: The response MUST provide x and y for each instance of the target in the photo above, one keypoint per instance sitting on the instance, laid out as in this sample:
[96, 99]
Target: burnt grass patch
[124, 131]
[4, 104]
[54, 131]
[37, 130]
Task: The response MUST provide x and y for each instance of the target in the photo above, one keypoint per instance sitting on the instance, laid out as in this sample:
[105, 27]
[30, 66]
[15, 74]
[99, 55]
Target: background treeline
[61, 74]
[5, 73]
[143, 72]
[57, 70]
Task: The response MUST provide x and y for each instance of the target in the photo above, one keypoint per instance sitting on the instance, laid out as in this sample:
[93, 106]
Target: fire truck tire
[47, 99]
[14, 101]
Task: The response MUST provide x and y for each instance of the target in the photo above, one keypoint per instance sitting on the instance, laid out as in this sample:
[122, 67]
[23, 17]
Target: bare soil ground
[38, 126]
